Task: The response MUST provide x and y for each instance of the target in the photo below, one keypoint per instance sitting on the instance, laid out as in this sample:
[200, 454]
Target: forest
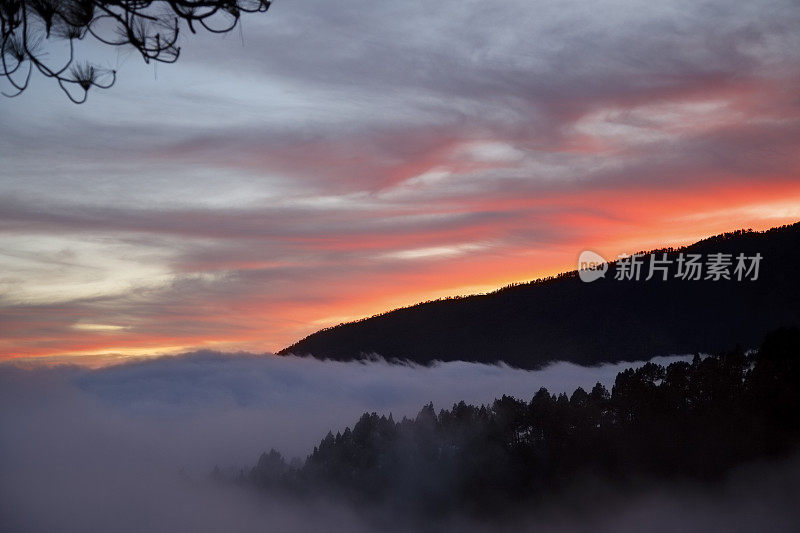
[686, 422]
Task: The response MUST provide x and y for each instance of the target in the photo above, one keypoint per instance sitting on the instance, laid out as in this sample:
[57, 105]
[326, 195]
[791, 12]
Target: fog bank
[128, 448]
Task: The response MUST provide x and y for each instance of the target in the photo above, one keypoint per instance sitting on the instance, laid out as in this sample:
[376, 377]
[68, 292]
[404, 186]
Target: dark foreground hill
[565, 319]
[687, 423]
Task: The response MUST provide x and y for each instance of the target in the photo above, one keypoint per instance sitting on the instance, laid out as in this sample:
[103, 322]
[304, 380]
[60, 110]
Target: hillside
[565, 319]
[692, 423]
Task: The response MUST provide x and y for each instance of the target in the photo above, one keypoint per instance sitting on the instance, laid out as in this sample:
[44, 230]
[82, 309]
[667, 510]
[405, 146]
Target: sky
[333, 160]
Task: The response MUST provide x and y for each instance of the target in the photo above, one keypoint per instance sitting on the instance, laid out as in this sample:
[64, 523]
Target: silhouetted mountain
[565, 319]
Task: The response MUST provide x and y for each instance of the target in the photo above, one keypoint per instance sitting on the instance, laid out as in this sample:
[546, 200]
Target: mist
[129, 447]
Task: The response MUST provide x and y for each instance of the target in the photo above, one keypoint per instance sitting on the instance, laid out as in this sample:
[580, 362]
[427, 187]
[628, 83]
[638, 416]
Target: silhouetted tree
[34, 30]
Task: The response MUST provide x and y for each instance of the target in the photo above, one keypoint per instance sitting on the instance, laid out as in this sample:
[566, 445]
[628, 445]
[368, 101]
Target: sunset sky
[337, 159]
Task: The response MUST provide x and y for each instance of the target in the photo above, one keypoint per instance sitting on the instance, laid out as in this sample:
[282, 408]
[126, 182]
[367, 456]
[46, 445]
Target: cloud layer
[128, 447]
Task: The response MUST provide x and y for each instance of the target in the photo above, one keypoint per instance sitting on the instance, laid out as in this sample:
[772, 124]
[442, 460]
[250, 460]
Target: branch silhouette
[30, 29]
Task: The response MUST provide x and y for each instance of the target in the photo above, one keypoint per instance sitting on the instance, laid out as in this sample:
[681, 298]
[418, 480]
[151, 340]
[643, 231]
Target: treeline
[685, 421]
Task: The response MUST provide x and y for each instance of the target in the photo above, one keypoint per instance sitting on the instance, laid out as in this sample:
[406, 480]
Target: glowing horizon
[116, 349]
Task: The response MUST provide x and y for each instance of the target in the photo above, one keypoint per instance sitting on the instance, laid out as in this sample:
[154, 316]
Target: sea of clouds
[129, 447]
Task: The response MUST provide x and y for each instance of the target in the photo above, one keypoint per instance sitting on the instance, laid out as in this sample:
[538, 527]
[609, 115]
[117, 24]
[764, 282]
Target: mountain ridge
[556, 318]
